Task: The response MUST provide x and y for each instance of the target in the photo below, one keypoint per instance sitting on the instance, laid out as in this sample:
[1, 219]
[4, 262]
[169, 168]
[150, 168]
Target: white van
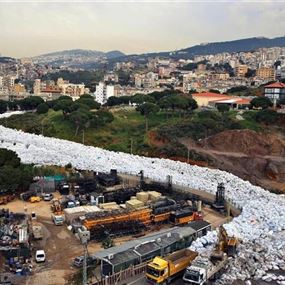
[40, 256]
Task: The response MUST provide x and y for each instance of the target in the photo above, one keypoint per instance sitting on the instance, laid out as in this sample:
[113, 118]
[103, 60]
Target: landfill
[260, 226]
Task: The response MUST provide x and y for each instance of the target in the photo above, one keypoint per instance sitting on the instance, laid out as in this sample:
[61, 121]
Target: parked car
[35, 199]
[40, 256]
[78, 261]
[48, 196]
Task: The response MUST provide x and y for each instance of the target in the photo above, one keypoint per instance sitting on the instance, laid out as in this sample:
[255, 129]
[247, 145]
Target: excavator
[225, 244]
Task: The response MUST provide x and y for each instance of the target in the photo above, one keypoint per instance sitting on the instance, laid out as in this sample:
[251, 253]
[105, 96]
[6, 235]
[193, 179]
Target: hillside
[233, 46]
[76, 57]
[246, 148]
[248, 44]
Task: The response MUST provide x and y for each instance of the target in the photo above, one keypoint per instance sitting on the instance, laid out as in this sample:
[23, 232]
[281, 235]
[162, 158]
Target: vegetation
[223, 108]
[81, 76]
[146, 110]
[42, 108]
[267, 116]
[13, 175]
[261, 102]
[167, 115]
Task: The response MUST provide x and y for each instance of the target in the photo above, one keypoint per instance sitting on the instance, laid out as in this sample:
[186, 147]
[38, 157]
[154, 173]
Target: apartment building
[266, 73]
[103, 92]
[241, 70]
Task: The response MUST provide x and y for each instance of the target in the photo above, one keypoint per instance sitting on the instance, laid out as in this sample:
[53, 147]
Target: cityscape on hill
[142, 142]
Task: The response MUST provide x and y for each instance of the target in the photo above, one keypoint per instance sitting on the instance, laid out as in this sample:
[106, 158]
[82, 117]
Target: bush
[261, 102]
[267, 116]
[223, 108]
[42, 108]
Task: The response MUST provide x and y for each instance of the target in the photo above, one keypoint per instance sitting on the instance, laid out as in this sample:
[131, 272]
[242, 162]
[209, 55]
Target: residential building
[18, 88]
[111, 77]
[275, 91]
[241, 70]
[267, 73]
[37, 87]
[103, 92]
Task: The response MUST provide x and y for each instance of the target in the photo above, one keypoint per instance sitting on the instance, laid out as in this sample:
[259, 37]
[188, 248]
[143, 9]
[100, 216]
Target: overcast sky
[33, 28]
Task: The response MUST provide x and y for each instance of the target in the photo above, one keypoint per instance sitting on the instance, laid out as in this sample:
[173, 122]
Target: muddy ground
[61, 246]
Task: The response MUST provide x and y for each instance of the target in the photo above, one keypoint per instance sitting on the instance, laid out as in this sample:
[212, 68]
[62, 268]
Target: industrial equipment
[203, 270]
[225, 244]
[163, 270]
[219, 203]
[35, 199]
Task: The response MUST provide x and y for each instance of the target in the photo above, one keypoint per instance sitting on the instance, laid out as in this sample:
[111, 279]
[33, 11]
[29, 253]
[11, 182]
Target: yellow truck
[164, 269]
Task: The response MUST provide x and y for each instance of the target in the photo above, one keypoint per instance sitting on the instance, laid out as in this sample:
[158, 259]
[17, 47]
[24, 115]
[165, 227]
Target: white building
[103, 92]
[1, 81]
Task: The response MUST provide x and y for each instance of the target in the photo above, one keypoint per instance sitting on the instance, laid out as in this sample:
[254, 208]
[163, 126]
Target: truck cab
[58, 219]
[195, 276]
[157, 271]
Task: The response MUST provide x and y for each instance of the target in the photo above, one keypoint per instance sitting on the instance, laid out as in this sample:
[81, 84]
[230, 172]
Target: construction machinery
[225, 244]
[56, 207]
[164, 269]
[203, 270]
[35, 227]
[35, 199]
[37, 230]
[57, 212]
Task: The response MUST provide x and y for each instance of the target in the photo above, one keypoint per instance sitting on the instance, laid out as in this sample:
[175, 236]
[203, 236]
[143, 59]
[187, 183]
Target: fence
[122, 275]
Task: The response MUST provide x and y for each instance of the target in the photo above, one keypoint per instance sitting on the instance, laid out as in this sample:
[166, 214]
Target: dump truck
[203, 270]
[164, 269]
[37, 230]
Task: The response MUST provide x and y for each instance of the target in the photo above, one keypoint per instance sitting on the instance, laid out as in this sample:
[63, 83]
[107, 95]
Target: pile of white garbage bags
[260, 225]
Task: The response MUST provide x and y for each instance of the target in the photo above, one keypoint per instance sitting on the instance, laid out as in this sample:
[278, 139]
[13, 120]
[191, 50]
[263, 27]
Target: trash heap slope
[263, 216]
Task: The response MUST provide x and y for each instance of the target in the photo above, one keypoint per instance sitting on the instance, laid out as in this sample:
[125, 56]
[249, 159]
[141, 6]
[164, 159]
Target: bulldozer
[225, 244]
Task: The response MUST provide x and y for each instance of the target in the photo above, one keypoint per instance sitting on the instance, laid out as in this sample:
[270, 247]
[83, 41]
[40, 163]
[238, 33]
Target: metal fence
[122, 275]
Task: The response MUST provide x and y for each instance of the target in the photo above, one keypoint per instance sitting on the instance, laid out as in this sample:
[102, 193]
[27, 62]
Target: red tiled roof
[276, 85]
[237, 100]
[210, 94]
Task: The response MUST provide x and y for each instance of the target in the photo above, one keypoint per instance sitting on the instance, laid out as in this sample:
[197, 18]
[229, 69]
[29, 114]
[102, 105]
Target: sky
[29, 28]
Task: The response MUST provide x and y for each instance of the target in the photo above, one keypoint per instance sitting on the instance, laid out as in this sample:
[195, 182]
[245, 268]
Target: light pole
[83, 136]
[188, 155]
[84, 238]
[131, 146]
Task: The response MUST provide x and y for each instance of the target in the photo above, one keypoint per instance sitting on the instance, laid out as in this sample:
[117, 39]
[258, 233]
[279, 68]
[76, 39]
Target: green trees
[13, 174]
[146, 110]
[141, 98]
[80, 119]
[267, 116]
[223, 108]
[178, 102]
[261, 102]
[3, 106]
[42, 108]
[30, 103]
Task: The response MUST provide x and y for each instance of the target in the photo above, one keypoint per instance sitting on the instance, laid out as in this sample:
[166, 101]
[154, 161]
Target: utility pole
[84, 238]
[188, 155]
[131, 146]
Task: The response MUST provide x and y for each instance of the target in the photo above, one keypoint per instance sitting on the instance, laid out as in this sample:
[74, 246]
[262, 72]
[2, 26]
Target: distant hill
[5, 59]
[231, 46]
[76, 57]
[214, 48]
